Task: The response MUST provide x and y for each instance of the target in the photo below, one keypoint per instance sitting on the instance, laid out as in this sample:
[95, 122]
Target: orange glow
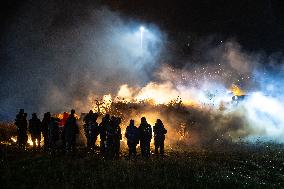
[63, 117]
[237, 91]
[102, 106]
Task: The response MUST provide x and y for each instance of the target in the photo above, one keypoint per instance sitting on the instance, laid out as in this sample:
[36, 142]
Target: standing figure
[70, 131]
[25, 129]
[117, 137]
[44, 129]
[110, 135]
[102, 128]
[91, 129]
[35, 130]
[22, 124]
[159, 136]
[61, 124]
[132, 135]
[145, 132]
[53, 133]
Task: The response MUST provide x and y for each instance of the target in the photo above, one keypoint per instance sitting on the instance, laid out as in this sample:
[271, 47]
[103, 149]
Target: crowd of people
[108, 130]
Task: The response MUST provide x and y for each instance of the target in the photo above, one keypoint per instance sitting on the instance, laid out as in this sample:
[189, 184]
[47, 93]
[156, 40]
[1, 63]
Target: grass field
[239, 166]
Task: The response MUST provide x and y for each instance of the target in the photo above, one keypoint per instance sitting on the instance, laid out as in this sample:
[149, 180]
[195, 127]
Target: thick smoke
[53, 61]
[206, 89]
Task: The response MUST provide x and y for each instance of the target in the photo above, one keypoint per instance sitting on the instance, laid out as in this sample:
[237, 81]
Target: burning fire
[102, 106]
[153, 96]
[156, 94]
[237, 91]
[29, 142]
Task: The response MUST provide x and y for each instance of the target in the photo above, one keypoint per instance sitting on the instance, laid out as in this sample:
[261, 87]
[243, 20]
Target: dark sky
[255, 24]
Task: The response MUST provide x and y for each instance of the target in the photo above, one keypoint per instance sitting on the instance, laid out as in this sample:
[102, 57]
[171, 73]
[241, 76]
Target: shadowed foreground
[259, 166]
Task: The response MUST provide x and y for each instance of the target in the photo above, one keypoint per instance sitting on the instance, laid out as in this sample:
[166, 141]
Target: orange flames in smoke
[154, 95]
[237, 91]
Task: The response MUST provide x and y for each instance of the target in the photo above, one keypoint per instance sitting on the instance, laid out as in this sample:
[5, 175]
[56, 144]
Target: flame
[29, 142]
[237, 91]
[156, 94]
[14, 139]
[102, 106]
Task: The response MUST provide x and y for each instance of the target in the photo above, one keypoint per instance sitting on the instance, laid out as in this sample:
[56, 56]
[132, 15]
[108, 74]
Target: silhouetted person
[145, 132]
[117, 137]
[70, 131]
[110, 137]
[21, 123]
[35, 130]
[159, 136]
[61, 124]
[102, 128]
[91, 129]
[53, 133]
[44, 129]
[132, 135]
[26, 129]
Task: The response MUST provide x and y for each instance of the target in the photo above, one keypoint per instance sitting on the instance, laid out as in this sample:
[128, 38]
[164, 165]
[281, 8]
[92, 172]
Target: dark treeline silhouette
[108, 130]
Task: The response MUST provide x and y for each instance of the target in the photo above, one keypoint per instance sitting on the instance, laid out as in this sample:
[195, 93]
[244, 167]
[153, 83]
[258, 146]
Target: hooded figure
[132, 135]
[145, 132]
[159, 136]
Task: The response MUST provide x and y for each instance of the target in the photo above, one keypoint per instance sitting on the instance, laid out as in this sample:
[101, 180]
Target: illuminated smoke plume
[54, 62]
[207, 90]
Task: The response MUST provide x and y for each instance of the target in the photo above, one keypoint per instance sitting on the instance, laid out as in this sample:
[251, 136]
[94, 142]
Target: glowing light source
[142, 29]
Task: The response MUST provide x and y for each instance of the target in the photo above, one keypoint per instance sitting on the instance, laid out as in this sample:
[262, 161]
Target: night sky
[255, 24]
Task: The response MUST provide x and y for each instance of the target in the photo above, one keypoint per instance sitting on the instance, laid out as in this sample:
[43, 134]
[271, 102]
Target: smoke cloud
[55, 62]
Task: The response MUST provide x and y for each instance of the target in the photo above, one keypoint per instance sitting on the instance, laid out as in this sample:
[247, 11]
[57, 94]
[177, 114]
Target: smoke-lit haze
[53, 66]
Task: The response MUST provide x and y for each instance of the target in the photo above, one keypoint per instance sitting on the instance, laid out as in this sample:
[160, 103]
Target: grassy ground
[248, 166]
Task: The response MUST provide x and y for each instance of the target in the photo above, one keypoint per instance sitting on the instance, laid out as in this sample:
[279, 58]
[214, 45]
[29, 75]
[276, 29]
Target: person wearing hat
[145, 132]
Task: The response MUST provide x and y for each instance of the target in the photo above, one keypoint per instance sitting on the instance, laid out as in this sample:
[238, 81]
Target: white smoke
[55, 63]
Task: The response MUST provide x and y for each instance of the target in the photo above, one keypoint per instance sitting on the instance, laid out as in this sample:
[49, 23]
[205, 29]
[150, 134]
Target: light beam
[142, 29]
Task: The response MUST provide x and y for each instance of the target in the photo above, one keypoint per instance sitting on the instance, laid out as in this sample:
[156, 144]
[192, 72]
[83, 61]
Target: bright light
[141, 36]
[142, 28]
